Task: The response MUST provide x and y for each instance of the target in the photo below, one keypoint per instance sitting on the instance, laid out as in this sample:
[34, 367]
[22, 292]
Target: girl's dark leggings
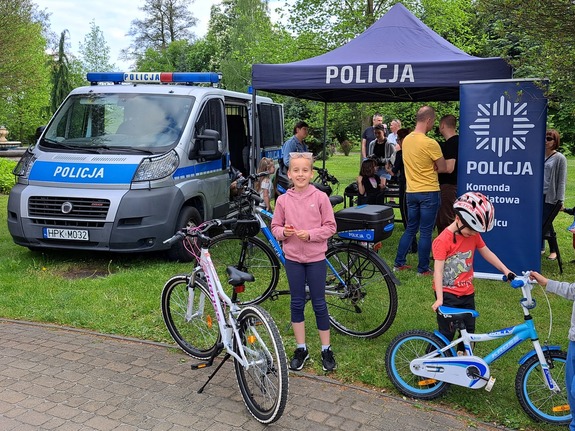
[314, 274]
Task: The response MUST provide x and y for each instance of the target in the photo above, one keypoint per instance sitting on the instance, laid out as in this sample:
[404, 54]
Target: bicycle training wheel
[264, 381]
[535, 397]
[250, 254]
[190, 316]
[360, 293]
[401, 351]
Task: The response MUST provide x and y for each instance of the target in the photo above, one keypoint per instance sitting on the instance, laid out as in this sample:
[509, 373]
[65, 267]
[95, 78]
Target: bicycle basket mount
[246, 227]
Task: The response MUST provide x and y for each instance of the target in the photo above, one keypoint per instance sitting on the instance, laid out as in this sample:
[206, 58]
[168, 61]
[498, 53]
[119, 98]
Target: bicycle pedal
[200, 365]
[490, 384]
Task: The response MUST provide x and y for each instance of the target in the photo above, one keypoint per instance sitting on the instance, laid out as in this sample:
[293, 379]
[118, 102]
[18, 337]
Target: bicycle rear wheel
[264, 382]
[190, 316]
[249, 254]
[535, 397]
[360, 293]
[399, 354]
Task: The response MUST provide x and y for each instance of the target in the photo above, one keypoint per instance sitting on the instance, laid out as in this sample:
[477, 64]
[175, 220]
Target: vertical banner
[501, 154]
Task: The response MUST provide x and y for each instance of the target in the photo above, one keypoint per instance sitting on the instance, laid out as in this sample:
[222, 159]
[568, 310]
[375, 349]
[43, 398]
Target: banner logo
[503, 112]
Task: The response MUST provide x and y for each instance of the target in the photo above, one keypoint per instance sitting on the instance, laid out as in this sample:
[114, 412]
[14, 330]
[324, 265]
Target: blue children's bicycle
[422, 365]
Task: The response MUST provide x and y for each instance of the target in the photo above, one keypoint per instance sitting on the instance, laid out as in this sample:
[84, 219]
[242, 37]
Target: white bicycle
[205, 321]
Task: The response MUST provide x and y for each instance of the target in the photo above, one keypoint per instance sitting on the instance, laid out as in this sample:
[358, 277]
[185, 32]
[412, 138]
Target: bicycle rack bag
[371, 223]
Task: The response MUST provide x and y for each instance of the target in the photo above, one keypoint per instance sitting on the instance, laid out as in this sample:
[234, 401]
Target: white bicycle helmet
[475, 211]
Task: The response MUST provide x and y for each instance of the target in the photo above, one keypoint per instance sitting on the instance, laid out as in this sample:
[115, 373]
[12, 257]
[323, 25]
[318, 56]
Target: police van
[130, 159]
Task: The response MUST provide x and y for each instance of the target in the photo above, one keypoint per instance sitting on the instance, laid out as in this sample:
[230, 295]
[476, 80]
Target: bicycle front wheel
[263, 381]
[360, 292]
[251, 255]
[535, 397]
[401, 351]
[190, 316]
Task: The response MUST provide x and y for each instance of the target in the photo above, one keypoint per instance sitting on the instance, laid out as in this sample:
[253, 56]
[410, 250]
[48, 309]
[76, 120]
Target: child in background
[304, 220]
[264, 185]
[369, 185]
[453, 252]
[567, 291]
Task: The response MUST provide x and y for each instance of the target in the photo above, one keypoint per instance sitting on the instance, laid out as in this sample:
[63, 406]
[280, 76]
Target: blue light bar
[154, 77]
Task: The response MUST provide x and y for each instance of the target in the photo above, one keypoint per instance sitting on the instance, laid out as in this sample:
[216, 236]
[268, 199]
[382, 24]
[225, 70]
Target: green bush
[6, 176]
[346, 147]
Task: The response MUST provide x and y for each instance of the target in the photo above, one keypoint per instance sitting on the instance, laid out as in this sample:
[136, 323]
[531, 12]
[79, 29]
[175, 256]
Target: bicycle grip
[178, 236]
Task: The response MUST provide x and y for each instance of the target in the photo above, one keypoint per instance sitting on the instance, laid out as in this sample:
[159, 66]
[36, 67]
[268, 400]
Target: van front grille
[69, 208]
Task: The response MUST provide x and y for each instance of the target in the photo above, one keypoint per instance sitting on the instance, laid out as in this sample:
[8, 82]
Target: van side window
[271, 125]
[211, 118]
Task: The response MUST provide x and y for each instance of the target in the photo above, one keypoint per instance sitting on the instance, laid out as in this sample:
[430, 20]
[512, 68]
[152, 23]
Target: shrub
[6, 176]
[346, 147]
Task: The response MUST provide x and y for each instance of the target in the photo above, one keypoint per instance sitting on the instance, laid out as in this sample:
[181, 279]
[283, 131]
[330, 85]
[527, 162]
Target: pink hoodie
[309, 210]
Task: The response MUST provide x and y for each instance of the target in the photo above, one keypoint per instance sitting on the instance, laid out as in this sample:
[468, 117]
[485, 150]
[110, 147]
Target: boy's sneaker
[425, 273]
[327, 360]
[299, 357]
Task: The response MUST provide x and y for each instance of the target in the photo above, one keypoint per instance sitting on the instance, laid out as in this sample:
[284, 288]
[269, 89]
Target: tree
[541, 49]
[180, 56]
[242, 33]
[61, 83]
[95, 52]
[24, 75]
[166, 21]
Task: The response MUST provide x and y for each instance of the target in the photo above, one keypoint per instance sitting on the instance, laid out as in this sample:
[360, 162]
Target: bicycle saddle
[455, 312]
[335, 200]
[237, 277]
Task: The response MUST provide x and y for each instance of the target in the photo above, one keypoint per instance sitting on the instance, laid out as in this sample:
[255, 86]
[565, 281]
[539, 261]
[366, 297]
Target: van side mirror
[38, 133]
[209, 145]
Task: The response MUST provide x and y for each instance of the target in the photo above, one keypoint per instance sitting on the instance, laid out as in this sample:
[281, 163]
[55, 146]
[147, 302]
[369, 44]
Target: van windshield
[142, 122]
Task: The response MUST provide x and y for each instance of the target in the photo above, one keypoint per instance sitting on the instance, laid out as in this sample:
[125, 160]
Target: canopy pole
[255, 145]
[324, 133]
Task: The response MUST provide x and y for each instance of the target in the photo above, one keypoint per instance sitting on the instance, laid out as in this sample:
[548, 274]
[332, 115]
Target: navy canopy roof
[397, 59]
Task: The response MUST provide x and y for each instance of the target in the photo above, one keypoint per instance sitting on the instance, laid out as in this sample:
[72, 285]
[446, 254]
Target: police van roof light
[154, 77]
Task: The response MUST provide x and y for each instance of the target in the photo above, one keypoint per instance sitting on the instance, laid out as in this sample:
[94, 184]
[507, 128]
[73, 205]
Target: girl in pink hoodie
[304, 221]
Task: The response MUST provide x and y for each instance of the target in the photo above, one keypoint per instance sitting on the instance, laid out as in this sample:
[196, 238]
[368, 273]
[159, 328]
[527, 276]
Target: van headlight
[24, 165]
[155, 168]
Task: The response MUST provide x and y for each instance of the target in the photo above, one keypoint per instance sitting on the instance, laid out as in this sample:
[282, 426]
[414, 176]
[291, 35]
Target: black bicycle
[360, 287]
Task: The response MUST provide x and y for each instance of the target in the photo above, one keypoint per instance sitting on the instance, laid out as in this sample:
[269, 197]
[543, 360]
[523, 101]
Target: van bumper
[137, 220]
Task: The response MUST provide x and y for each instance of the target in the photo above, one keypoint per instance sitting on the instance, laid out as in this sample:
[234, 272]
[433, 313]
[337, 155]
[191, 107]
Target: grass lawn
[120, 294]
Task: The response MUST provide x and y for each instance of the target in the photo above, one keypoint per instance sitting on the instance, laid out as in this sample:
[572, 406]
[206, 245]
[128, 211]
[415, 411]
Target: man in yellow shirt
[423, 160]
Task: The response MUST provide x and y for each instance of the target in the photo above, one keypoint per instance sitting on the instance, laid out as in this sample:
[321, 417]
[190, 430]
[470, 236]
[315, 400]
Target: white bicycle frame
[228, 328]
[452, 369]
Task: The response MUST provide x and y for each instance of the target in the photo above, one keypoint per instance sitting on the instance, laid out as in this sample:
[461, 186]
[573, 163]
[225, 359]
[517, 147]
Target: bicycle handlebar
[198, 231]
[524, 283]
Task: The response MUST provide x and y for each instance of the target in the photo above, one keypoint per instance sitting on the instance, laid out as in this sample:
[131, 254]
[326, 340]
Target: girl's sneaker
[299, 357]
[327, 360]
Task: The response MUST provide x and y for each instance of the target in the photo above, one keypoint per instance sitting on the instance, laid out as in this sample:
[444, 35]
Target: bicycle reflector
[154, 77]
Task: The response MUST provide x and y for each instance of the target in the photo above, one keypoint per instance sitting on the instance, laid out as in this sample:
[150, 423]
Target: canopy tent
[397, 59]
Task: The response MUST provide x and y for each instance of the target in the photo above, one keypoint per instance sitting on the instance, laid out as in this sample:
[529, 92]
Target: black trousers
[446, 325]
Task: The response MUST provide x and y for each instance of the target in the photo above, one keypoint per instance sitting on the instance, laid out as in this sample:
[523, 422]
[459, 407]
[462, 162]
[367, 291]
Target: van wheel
[189, 216]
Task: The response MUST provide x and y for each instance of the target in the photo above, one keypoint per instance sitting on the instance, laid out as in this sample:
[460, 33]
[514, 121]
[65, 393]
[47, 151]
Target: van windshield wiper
[122, 149]
[57, 144]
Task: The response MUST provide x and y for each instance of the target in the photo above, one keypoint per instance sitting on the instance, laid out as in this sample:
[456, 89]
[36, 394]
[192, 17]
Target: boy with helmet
[453, 253]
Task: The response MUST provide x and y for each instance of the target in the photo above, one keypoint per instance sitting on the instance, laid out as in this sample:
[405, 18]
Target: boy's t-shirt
[458, 257]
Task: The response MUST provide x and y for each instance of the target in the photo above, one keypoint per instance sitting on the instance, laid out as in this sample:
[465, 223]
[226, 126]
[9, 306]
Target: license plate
[66, 234]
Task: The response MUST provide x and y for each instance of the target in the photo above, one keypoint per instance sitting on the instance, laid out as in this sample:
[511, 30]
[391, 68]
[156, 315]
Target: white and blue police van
[127, 161]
